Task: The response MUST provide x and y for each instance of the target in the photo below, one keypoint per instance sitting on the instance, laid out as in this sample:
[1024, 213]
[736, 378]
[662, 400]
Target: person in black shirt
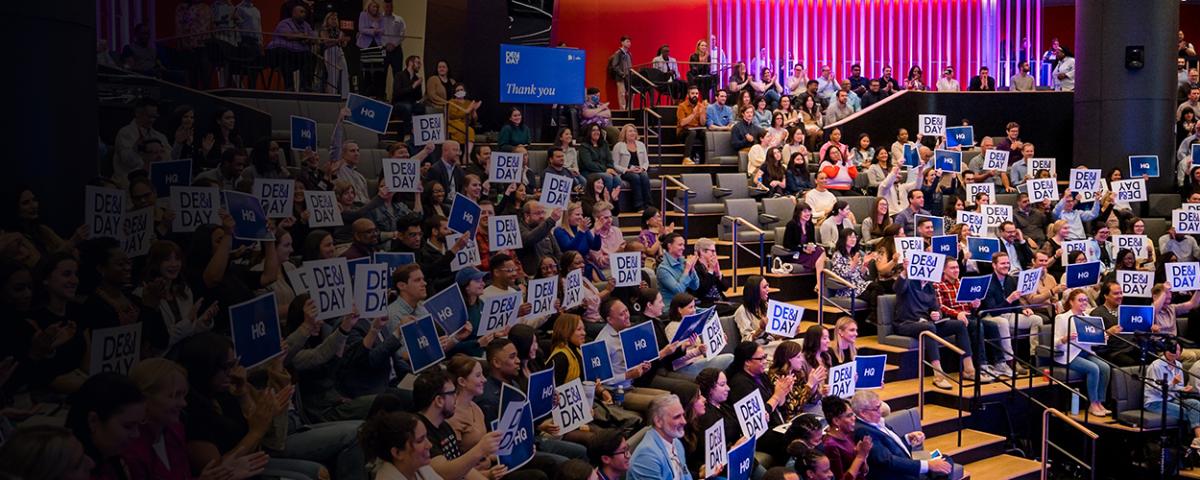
[434, 399]
[713, 284]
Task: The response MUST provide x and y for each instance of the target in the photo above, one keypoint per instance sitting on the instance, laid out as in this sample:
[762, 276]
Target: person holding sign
[573, 234]
[399, 442]
[1065, 210]
[616, 317]
[1166, 313]
[435, 401]
[918, 310]
[1110, 299]
[1079, 358]
[1170, 367]
[847, 458]
[448, 172]
[954, 310]
[748, 373]
[1002, 294]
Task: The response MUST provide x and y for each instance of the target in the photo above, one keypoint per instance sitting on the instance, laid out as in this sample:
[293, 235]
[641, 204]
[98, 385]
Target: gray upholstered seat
[736, 183]
[703, 200]
[885, 313]
[746, 208]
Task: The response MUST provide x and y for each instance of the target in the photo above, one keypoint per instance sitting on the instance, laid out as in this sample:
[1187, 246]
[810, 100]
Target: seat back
[1156, 227]
[885, 313]
[736, 183]
[537, 160]
[1009, 199]
[717, 144]
[782, 208]
[650, 277]
[1126, 389]
[746, 208]
[1161, 204]
[733, 336]
[904, 421]
[701, 184]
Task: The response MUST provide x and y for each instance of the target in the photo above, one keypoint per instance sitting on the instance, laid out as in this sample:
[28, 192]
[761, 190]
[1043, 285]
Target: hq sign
[541, 75]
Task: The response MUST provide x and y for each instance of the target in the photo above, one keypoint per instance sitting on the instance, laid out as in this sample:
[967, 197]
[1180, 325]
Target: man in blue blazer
[660, 455]
[891, 455]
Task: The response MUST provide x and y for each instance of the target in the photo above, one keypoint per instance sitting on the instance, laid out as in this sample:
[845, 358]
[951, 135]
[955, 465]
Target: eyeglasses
[624, 452]
[764, 357]
[449, 394]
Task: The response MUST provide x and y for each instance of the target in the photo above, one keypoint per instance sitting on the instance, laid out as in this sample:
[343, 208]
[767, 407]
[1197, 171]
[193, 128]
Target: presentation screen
[541, 75]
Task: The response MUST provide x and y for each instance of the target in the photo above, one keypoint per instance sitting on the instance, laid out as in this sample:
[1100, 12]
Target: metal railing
[921, 375]
[1046, 443]
[687, 194]
[647, 114]
[822, 298]
[761, 255]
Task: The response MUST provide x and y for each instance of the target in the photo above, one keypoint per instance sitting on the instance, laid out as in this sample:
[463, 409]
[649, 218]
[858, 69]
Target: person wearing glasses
[660, 455]
[748, 373]
[610, 454]
[435, 399]
[891, 455]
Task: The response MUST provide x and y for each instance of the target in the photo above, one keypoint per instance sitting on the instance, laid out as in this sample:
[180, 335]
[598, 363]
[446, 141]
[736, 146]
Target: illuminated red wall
[597, 25]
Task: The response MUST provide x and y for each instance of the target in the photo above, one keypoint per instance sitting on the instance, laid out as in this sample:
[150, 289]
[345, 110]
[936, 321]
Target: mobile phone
[936, 454]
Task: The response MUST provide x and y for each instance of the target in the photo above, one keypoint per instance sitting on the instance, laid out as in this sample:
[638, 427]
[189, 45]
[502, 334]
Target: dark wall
[50, 140]
[1125, 111]
[1045, 118]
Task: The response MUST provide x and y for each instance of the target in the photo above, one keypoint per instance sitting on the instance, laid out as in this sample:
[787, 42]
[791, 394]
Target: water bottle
[1074, 404]
[619, 398]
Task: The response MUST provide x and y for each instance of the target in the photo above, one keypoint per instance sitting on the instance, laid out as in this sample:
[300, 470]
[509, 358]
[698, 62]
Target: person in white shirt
[1171, 369]
[1064, 72]
[947, 83]
[839, 218]
[820, 198]
[140, 129]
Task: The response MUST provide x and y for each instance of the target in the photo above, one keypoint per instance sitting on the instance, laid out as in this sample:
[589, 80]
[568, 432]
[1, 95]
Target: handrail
[652, 112]
[735, 221]
[821, 295]
[658, 133]
[1046, 443]
[921, 375]
[687, 194]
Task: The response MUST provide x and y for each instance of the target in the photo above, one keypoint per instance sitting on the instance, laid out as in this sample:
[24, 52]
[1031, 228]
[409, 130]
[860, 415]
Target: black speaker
[1135, 57]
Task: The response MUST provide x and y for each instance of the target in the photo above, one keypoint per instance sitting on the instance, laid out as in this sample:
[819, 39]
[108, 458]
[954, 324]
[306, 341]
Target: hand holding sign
[783, 318]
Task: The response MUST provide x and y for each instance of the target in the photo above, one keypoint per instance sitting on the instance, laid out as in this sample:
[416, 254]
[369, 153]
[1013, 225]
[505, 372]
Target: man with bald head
[343, 160]
[536, 240]
[447, 171]
[365, 239]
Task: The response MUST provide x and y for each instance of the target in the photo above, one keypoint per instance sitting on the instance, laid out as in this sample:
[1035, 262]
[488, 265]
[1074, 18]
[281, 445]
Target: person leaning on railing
[290, 48]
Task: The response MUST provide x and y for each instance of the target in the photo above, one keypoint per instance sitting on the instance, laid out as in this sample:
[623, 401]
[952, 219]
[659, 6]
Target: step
[1003, 467]
[975, 445]
[676, 169]
[939, 420]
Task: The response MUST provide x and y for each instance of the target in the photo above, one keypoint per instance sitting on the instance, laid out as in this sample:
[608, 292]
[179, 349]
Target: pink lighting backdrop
[965, 34]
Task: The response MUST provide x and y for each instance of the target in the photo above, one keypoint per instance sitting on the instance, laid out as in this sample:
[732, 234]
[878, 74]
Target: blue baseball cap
[468, 275]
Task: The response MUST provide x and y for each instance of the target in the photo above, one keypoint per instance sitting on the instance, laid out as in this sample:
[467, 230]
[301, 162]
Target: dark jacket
[998, 292]
[596, 159]
[438, 173]
[977, 84]
[367, 372]
[888, 459]
[537, 242]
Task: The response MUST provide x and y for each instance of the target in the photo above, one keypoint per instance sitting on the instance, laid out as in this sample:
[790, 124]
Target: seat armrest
[719, 192]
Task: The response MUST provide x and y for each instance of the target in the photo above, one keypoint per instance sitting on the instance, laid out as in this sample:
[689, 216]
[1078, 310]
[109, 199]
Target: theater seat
[1127, 393]
[885, 313]
[860, 205]
[1161, 204]
[1156, 227]
[703, 200]
[718, 150]
[736, 183]
[746, 208]
[1009, 199]
[733, 336]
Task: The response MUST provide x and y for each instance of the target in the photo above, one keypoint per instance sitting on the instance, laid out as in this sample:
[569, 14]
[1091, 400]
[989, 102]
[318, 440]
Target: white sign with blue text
[925, 266]
[556, 191]
[275, 195]
[505, 167]
[542, 293]
[1183, 276]
[330, 287]
[103, 208]
[1129, 191]
[841, 380]
[499, 312]
[752, 414]
[572, 289]
[783, 318]
[402, 175]
[468, 256]
[932, 125]
[371, 289]
[1135, 283]
[194, 206]
[626, 268]
[429, 129]
[503, 233]
[323, 209]
[572, 410]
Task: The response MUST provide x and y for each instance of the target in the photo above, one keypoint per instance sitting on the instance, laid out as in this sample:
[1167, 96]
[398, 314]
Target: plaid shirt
[947, 296]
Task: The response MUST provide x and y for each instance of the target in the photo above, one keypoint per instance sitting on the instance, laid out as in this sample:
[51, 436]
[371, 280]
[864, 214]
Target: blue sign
[741, 461]
[304, 133]
[1083, 274]
[167, 173]
[948, 160]
[596, 364]
[1135, 318]
[911, 159]
[352, 262]
[541, 75]
[982, 248]
[870, 369]
[946, 245]
[541, 393]
[448, 308]
[939, 224]
[249, 219]
[520, 434]
[254, 325]
[394, 259]
[464, 215]
[1145, 165]
[960, 136]
[1195, 154]
[639, 344]
[421, 340]
[971, 289]
[1090, 330]
[369, 113]
[692, 324]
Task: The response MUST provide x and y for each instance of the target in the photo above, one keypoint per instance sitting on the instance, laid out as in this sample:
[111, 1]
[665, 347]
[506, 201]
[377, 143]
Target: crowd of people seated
[342, 400]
